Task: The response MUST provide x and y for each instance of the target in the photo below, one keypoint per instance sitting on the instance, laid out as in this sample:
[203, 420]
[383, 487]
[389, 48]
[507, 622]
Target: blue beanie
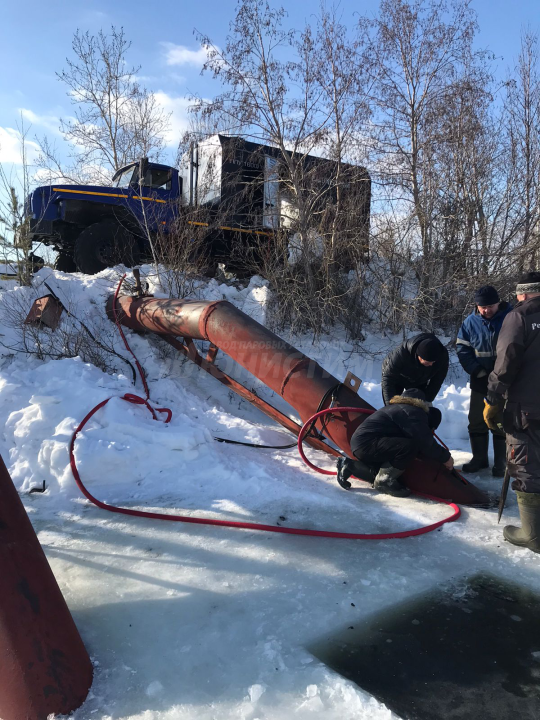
[486, 295]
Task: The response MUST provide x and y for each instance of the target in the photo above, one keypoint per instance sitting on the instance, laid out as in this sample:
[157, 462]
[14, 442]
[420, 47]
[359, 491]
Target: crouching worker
[387, 441]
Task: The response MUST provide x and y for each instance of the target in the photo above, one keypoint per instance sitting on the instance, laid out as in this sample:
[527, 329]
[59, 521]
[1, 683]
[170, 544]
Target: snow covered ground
[187, 621]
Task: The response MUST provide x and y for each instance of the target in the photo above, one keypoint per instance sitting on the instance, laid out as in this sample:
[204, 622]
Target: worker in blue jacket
[476, 349]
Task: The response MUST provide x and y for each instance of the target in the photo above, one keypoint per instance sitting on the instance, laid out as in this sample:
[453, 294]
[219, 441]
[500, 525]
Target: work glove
[491, 413]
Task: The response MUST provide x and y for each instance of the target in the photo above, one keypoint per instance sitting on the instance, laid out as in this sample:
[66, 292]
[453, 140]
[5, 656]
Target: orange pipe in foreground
[44, 666]
[298, 379]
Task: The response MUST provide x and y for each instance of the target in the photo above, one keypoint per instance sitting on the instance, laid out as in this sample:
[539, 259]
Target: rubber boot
[528, 535]
[387, 481]
[479, 447]
[499, 452]
[347, 467]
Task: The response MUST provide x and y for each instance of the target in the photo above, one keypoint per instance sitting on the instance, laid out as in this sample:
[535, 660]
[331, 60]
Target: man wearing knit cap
[421, 362]
[515, 384]
[476, 349]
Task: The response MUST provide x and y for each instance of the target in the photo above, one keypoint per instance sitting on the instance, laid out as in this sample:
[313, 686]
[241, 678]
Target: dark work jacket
[516, 374]
[476, 345]
[402, 370]
[403, 417]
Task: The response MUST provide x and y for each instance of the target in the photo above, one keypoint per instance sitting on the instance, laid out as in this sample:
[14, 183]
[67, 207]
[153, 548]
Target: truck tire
[65, 263]
[105, 244]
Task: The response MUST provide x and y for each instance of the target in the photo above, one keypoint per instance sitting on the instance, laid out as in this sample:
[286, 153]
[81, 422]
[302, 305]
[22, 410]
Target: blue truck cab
[93, 227]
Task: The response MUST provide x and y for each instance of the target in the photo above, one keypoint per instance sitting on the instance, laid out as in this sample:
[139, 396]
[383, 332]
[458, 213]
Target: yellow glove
[492, 416]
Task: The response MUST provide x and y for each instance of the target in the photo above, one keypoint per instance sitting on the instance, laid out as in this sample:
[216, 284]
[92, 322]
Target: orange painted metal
[44, 666]
[299, 380]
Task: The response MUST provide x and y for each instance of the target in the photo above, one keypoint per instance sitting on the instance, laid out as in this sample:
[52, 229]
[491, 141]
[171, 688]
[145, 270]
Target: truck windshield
[124, 178]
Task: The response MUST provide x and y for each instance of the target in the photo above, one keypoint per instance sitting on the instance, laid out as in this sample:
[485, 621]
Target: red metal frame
[188, 349]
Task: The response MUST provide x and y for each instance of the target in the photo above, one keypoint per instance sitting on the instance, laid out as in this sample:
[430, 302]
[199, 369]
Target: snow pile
[201, 622]
[122, 449]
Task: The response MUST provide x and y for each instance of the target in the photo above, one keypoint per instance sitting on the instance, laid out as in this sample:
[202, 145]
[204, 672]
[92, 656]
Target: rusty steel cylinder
[44, 666]
[300, 381]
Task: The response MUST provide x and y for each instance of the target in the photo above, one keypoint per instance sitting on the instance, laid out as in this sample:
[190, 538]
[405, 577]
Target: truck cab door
[158, 183]
[157, 191]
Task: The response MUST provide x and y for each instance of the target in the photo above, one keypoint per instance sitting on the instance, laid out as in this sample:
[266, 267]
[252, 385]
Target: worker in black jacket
[515, 384]
[420, 362]
[387, 441]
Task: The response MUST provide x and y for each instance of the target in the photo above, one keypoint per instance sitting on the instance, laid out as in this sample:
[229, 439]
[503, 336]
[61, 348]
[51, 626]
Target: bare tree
[417, 48]
[117, 120]
[14, 218]
[523, 127]
[342, 76]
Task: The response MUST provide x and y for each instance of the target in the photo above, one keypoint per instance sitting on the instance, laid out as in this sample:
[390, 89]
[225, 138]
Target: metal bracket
[212, 352]
[352, 382]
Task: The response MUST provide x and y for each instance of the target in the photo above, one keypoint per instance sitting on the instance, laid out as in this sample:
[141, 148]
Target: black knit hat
[429, 349]
[530, 277]
[486, 295]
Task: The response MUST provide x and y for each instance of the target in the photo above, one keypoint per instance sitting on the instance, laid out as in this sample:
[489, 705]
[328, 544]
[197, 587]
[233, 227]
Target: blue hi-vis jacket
[477, 340]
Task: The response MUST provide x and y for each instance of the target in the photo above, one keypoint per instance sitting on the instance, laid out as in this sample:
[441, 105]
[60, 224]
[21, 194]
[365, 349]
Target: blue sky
[35, 38]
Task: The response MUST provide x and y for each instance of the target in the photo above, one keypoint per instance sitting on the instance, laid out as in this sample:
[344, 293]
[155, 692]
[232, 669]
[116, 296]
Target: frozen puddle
[470, 650]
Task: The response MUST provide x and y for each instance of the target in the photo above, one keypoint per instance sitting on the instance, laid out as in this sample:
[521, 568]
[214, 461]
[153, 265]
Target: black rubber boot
[479, 447]
[347, 467]
[387, 482]
[499, 452]
[528, 535]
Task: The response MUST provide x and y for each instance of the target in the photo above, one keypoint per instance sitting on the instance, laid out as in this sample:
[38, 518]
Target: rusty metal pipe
[299, 380]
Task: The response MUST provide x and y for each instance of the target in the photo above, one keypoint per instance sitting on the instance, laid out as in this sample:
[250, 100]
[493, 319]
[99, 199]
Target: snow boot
[528, 535]
[499, 452]
[479, 447]
[387, 481]
[347, 467]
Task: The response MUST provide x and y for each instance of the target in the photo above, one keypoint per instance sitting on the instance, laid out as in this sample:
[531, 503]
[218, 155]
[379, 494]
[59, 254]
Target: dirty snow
[185, 621]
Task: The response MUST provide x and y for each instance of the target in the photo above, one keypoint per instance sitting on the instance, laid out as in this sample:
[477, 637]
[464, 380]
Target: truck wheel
[105, 244]
[65, 263]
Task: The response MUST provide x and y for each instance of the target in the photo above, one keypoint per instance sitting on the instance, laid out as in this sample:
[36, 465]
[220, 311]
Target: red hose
[139, 368]
[229, 523]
